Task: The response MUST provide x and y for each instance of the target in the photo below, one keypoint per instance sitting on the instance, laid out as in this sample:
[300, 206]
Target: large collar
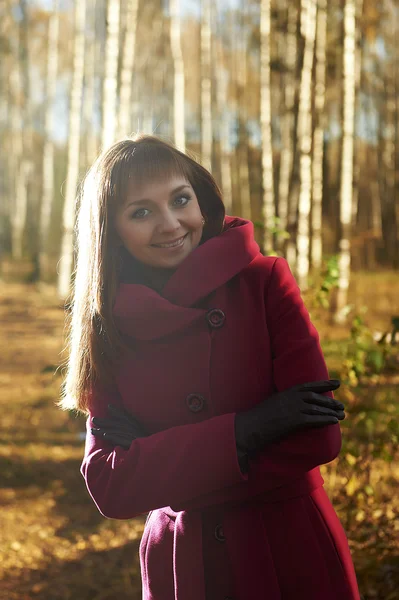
[144, 313]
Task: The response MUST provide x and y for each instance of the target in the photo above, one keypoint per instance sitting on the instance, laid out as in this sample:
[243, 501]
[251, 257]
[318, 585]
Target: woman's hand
[120, 429]
[288, 411]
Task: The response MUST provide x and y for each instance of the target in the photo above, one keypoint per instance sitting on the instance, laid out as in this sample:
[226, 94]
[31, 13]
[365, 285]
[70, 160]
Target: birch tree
[268, 210]
[241, 56]
[346, 188]
[128, 58]
[224, 128]
[206, 86]
[48, 151]
[318, 134]
[66, 262]
[308, 29]
[90, 140]
[178, 66]
[110, 84]
[288, 117]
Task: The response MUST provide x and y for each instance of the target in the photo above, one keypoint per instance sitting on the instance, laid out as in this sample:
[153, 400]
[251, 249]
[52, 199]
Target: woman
[208, 396]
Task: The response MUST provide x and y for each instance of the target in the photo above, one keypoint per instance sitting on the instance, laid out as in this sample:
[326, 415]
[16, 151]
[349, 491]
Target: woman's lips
[173, 244]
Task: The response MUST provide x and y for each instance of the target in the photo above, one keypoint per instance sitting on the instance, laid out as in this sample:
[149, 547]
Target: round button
[219, 535]
[215, 318]
[195, 402]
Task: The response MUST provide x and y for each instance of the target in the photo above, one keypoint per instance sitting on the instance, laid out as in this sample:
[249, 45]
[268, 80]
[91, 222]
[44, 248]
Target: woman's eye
[182, 200]
[140, 213]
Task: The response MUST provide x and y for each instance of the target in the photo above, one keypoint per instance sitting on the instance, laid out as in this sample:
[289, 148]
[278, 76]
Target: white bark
[66, 260]
[18, 206]
[110, 83]
[206, 87]
[224, 131]
[318, 135]
[346, 188]
[308, 27]
[268, 210]
[48, 151]
[129, 47]
[288, 119]
[90, 142]
[179, 83]
[243, 166]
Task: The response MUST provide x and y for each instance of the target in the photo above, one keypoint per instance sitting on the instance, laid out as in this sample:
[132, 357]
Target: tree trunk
[111, 74]
[308, 28]
[224, 130]
[241, 53]
[48, 151]
[179, 83]
[206, 87]
[288, 119]
[268, 208]
[90, 139]
[346, 189]
[66, 262]
[318, 135]
[128, 56]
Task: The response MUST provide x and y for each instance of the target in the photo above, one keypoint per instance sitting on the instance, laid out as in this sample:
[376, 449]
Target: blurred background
[293, 105]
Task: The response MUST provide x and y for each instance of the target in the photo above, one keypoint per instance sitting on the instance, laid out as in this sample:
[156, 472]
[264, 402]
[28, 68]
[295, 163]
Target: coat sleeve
[163, 469]
[297, 358]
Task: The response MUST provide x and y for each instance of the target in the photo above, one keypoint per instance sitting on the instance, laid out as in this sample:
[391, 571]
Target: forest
[293, 105]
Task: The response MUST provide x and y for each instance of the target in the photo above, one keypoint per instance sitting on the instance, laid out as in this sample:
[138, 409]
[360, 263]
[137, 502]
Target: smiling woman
[208, 399]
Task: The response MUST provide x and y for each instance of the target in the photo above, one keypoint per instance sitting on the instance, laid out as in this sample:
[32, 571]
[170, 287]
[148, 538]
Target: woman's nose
[168, 222]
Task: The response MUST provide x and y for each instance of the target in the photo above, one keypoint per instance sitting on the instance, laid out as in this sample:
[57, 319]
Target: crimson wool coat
[229, 330]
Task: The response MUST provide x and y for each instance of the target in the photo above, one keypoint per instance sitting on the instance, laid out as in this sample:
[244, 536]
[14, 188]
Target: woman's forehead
[148, 188]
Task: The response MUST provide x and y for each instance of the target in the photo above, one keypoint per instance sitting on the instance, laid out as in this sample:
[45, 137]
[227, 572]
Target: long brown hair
[93, 340]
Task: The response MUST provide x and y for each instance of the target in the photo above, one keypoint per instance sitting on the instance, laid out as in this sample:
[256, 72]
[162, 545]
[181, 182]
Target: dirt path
[54, 543]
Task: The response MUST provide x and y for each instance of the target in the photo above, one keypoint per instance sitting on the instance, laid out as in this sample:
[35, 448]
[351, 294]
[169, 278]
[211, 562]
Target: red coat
[229, 330]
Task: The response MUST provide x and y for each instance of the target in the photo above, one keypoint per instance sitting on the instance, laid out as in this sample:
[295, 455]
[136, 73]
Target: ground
[56, 545]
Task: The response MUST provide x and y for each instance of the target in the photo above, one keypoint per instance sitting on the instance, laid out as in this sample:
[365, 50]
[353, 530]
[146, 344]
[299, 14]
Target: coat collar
[143, 313]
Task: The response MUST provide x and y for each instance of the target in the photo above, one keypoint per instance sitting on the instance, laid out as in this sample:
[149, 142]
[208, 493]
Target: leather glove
[120, 429]
[298, 407]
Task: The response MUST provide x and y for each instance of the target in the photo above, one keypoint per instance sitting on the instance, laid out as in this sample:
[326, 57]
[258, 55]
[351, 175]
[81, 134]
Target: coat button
[215, 318]
[219, 535]
[195, 402]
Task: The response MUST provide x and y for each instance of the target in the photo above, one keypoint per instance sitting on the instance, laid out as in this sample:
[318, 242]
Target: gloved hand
[120, 429]
[285, 412]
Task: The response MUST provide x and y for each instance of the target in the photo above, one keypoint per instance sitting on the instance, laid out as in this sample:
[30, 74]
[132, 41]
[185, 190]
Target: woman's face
[160, 223]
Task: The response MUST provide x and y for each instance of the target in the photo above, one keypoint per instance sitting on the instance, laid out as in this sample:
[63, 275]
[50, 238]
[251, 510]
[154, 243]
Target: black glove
[120, 429]
[283, 413]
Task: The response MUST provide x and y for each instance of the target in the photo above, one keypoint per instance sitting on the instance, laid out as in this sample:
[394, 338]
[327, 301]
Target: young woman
[208, 399]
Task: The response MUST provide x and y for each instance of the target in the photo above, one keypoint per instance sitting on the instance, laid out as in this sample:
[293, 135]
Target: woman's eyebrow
[144, 200]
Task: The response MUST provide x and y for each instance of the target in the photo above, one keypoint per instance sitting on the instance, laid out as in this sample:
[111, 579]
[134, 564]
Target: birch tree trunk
[18, 206]
[206, 87]
[308, 28]
[21, 116]
[128, 56]
[90, 141]
[110, 84]
[318, 135]
[178, 87]
[268, 209]
[242, 149]
[224, 130]
[346, 188]
[288, 118]
[66, 261]
[48, 151]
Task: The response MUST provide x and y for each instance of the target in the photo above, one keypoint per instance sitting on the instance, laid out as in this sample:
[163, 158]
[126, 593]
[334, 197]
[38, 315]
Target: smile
[173, 244]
